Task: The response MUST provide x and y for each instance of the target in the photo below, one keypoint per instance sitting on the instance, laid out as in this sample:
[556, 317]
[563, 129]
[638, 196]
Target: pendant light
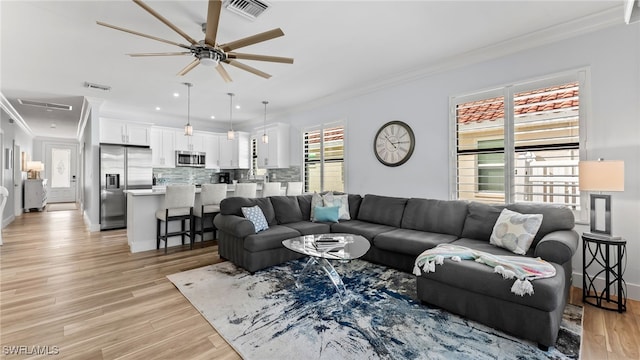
[231, 134]
[265, 137]
[188, 129]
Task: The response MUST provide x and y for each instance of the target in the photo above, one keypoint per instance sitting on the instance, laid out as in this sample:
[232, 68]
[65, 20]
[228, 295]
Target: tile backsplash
[191, 175]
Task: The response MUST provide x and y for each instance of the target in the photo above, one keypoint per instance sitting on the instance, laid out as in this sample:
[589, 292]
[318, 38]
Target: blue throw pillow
[256, 216]
[326, 214]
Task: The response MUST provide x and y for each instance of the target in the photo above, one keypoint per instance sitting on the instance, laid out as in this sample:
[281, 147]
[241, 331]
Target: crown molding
[9, 109]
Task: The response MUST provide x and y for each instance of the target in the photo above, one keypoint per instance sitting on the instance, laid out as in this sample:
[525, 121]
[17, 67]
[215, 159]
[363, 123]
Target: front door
[60, 167]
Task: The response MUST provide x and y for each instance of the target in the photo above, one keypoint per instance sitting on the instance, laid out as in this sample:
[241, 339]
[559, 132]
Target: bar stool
[271, 189]
[178, 205]
[208, 206]
[294, 188]
[247, 190]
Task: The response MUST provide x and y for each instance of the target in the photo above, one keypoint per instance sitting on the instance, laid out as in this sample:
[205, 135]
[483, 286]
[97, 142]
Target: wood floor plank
[61, 285]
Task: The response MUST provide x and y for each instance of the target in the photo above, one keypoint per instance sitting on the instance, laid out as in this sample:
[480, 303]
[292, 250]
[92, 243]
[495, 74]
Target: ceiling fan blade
[189, 67]
[165, 21]
[213, 19]
[160, 54]
[241, 56]
[248, 68]
[141, 34]
[223, 72]
[254, 39]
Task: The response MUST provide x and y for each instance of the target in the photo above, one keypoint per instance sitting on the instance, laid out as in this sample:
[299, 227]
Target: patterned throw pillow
[316, 200]
[515, 231]
[331, 199]
[256, 216]
[326, 214]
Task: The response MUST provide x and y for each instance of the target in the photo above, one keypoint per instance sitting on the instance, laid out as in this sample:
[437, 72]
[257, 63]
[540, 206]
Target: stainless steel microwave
[190, 158]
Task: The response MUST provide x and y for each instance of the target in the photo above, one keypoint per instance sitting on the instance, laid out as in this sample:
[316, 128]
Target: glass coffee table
[324, 247]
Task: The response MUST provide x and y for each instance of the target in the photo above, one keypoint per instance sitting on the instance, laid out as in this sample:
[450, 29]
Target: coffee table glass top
[329, 246]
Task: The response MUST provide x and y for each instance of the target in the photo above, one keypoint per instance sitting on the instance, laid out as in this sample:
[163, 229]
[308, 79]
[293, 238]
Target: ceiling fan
[208, 51]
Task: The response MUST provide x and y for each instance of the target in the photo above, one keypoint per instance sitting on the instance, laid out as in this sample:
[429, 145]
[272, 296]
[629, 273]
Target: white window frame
[321, 128]
[581, 75]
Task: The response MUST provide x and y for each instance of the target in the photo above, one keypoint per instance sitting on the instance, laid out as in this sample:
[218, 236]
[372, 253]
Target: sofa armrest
[557, 246]
[234, 225]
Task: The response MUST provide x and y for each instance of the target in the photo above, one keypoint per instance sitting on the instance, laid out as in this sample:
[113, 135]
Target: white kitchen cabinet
[275, 153]
[194, 142]
[124, 132]
[211, 144]
[163, 147]
[35, 194]
[234, 154]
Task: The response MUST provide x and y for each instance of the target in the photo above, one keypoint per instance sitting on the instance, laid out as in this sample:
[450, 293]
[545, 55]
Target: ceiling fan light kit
[208, 51]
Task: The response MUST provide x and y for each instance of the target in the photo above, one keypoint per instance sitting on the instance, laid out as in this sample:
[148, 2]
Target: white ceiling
[50, 48]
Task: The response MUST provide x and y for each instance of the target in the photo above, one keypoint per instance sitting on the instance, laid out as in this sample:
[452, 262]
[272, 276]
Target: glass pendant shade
[188, 129]
[265, 137]
[231, 135]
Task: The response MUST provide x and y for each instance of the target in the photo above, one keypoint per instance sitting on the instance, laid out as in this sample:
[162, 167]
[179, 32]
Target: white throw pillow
[316, 201]
[515, 231]
[342, 201]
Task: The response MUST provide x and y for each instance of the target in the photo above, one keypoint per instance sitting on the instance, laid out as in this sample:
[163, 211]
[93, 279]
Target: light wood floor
[83, 294]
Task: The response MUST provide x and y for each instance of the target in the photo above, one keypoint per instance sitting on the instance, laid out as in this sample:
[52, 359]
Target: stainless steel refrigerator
[121, 168]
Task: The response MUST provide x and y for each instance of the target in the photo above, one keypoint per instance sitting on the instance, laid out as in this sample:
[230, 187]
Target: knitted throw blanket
[523, 268]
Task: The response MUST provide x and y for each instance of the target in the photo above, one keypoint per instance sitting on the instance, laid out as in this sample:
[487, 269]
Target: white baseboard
[8, 221]
[633, 290]
[87, 222]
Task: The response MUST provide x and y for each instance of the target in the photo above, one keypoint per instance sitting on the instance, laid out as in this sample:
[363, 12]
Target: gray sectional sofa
[400, 229]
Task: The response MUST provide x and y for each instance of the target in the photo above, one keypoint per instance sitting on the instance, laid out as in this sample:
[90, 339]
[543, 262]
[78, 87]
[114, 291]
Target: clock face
[394, 143]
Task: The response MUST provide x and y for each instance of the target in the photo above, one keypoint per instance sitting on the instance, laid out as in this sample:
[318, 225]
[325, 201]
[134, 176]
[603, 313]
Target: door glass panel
[60, 161]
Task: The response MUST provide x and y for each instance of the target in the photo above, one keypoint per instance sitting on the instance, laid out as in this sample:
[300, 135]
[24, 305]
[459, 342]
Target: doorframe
[47, 162]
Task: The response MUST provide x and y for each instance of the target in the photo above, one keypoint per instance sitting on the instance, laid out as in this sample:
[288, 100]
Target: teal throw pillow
[256, 216]
[326, 213]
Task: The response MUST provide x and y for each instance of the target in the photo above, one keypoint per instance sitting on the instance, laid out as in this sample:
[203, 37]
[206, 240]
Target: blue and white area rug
[265, 316]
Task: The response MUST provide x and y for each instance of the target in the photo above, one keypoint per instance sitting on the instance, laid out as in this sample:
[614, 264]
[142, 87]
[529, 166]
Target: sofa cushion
[514, 231]
[304, 202]
[233, 206]
[287, 209]
[480, 220]
[366, 229]
[410, 242]
[383, 210]
[341, 201]
[310, 228]
[438, 216]
[479, 278]
[269, 239]
[554, 217]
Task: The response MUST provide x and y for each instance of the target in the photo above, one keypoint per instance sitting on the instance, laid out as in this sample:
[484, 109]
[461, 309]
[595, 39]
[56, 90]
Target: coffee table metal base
[329, 270]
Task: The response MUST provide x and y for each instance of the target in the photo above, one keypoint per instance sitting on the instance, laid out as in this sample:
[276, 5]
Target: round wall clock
[394, 143]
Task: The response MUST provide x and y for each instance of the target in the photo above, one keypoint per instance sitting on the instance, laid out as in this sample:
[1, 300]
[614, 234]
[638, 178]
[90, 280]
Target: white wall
[613, 127]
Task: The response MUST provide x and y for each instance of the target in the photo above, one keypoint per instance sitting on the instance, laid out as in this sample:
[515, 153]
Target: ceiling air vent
[45, 105]
[250, 9]
[96, 86]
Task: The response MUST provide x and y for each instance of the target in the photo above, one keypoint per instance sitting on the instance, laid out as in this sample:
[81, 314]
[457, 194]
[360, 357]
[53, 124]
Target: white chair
[294, 188]
[178, 205]
[4, 194]
[208, 205]
[247, 190]
[271, 189]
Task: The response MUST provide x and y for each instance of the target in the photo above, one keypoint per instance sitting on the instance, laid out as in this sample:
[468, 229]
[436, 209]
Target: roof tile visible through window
[492, 109]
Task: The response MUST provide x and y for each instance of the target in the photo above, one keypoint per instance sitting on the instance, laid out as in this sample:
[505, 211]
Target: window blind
[324, 159]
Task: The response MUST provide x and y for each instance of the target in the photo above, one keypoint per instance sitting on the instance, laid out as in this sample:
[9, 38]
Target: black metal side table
[599, 247]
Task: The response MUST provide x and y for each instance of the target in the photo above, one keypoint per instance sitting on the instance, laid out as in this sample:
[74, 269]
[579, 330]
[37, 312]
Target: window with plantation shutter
[520, 143]
[324, 159]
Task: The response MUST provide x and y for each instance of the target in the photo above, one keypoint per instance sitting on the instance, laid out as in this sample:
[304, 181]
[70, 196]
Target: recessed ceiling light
[157, 108]
[176, 94]
[212, 117]
[237, 106]
[53, 125]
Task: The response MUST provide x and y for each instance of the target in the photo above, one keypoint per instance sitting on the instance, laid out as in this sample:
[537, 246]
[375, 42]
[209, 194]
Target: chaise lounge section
[400, 229]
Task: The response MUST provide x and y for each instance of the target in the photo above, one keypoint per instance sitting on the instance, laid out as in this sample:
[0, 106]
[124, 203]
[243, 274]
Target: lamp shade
[601, 175]
[35, 166]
